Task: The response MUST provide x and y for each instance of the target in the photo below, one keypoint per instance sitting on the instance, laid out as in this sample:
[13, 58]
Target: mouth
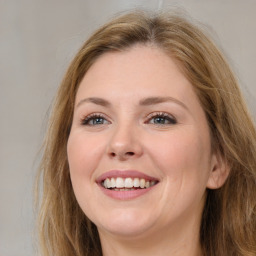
[127, 184]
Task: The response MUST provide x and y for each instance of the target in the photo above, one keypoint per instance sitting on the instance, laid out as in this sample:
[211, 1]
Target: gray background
[38, 38]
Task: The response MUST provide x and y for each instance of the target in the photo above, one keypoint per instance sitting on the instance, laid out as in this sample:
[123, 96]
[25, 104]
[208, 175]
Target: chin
[125, 223]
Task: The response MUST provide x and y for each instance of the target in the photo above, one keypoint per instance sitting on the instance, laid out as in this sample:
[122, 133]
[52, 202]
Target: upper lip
[124, 174]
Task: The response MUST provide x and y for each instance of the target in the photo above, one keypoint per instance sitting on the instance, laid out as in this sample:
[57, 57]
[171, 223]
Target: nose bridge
[124, 141]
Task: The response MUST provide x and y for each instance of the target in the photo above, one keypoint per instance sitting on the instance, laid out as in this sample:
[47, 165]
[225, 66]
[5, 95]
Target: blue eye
[94, 119]
[161, 119]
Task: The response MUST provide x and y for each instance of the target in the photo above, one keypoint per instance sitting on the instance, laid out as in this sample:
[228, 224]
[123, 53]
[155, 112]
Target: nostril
[112, 154]
[130, 153]
[126, 154]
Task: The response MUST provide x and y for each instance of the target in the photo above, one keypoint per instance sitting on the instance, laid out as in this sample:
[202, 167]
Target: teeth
[136, 182]
[106, 183]
[128, 183]
[125, 184]
[119, 183]
[112, 183]
[142, 183]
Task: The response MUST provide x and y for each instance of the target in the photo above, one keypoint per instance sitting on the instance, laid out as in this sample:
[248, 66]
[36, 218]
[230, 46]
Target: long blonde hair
[229, 219]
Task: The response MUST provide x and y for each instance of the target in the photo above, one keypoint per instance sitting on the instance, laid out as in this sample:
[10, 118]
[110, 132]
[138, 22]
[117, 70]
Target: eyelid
[161, 114]
[173, 120]
[86, 118]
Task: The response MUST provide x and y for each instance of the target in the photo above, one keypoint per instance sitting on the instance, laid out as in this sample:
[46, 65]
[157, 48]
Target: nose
[124, 143]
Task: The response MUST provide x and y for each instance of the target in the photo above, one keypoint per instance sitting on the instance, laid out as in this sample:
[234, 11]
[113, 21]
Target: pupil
[159, 120]
[97, 121]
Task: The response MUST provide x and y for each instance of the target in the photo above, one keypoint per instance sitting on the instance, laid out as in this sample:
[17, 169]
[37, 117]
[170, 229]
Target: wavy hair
[228, 224]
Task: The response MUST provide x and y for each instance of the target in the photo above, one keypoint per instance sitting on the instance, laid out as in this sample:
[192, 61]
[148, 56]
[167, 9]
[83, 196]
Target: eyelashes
[161, 118]
[155, 118]
[94, 119]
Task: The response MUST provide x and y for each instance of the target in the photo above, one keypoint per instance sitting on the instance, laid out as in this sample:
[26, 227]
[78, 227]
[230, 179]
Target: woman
[150, 149]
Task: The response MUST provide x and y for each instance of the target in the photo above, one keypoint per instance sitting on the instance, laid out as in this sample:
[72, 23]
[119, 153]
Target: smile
[127, 184]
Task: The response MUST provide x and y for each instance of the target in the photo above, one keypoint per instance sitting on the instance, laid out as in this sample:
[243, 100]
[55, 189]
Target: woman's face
[139, 150]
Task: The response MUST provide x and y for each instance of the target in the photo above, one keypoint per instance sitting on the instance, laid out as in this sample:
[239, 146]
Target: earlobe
[219, 172]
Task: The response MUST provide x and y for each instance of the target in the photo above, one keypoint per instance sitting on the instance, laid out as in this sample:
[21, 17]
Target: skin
[128, 135]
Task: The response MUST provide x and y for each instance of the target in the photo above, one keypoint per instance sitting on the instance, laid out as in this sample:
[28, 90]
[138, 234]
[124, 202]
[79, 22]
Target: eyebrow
[95, 100]
[144, 102]
[157, 100]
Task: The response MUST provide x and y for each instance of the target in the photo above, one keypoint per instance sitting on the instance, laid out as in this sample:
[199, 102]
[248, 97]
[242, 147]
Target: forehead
[140, 71]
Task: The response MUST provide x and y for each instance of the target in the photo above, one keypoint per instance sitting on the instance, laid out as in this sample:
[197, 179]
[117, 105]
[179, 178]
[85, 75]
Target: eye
[94, 119]
[161, 118]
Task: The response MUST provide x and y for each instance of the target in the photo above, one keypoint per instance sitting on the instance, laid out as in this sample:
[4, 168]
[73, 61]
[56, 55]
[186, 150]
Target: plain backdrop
[38, 38]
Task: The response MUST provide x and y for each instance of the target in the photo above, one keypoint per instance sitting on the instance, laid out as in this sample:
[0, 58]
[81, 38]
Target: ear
[219, 172]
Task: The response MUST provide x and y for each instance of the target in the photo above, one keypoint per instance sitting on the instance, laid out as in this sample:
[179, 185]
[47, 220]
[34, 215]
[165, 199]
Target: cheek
[84, 153]
[183, 157]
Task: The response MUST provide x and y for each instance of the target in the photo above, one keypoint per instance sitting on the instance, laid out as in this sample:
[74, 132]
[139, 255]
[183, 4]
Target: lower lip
[125, 195]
